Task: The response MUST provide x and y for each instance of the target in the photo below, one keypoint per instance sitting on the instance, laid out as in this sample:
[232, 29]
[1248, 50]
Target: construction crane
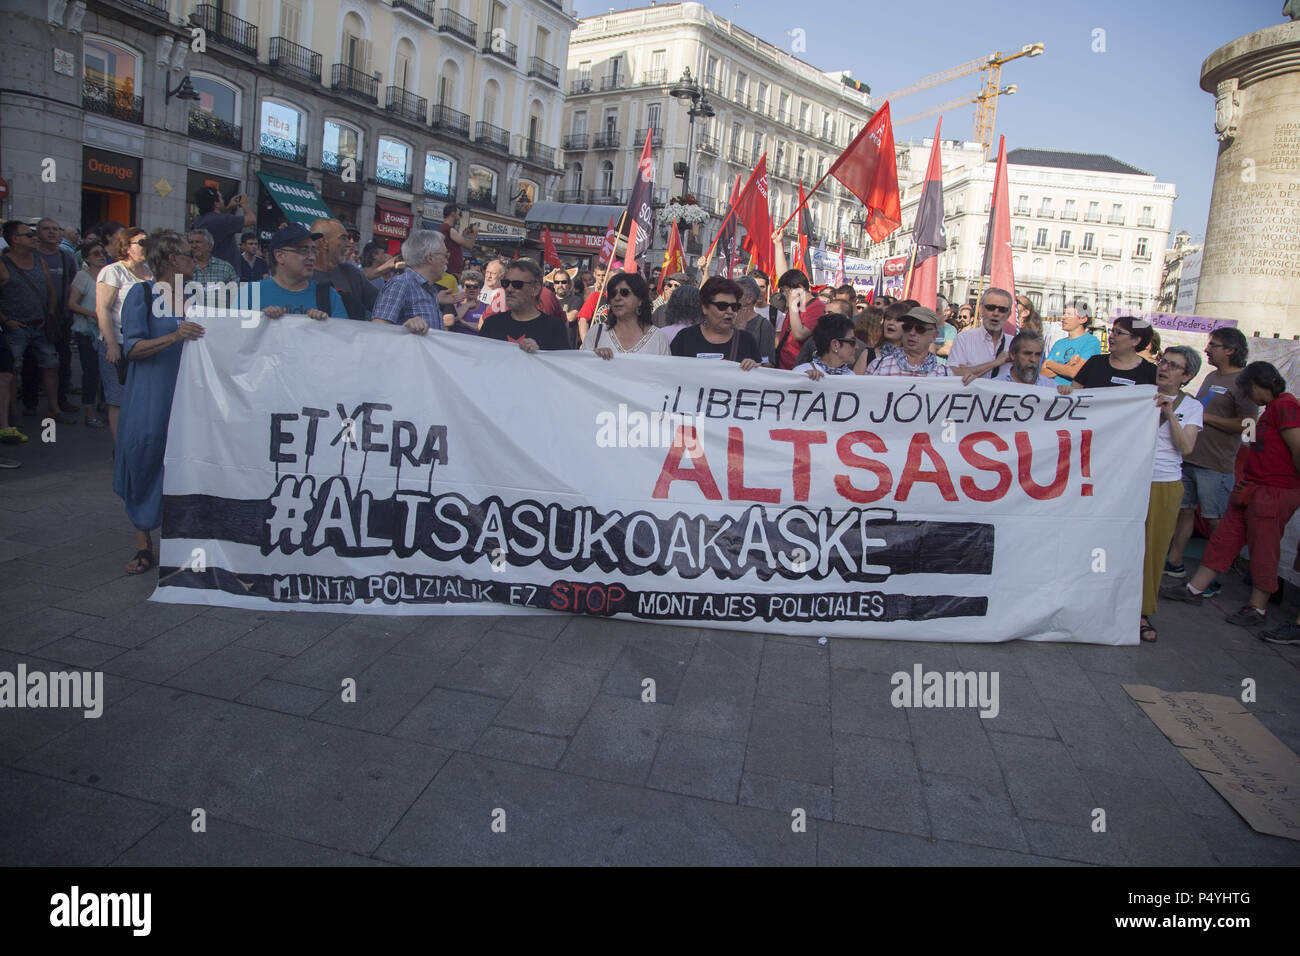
[987, 99]
[958, 103]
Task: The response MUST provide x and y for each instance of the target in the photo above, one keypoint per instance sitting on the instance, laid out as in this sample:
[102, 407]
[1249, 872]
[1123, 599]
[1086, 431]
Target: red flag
[839, 271]
[753, 211]
[674, 258]
[869, 170]
[801, 257]
[607, 247]
[997, 243]
[549, 255]
[928, 237]
[640, 223]
[726, 237]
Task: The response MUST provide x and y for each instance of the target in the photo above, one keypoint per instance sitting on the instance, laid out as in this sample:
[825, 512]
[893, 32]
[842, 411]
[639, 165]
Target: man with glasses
[920, 326]
[26, 296]
[333, 269]
[570, 303]
[412, 299]
[290, 286]
[524, 323]
[1068, 354]
[718, 336]
[981, 350]
[795, 326]
[1208, 470]
[659, 308]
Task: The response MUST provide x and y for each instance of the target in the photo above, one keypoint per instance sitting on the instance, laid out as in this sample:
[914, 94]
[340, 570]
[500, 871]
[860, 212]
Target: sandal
[143, 562]
[1144, 629]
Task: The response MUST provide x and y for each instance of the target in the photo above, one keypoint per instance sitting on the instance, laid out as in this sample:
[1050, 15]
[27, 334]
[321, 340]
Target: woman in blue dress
[153, 330]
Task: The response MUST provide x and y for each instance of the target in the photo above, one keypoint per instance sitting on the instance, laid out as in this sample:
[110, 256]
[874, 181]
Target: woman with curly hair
[627, 327]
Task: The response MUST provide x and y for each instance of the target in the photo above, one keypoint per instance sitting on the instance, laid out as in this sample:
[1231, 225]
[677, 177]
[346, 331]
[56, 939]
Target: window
[1040, 239]
[737, 136]
[756, 151]
[799, 164]
[606, 178]
[1046, 208]
[611, 121]
[828, 125]
[355, 51]
[1094, 212]
[1022, 206]
[524, 197]
[496, 16]
[852, 131]
[439, 176]
[711, 71]
[393, 166]
[1065, 239]
[615, 68]
[742, 84]
[659, 63]
[1018, 236]
[217, 98]
[580, 123]
[482, 187]
[290, 20]
[341, 142]
[803, 117]
[1088, 240]
[1142, 249]
[402, 71]
[1069, 210]
[575, 178]
[1117, 212]
[761, 99]
[652, 115]
[784, 115]
[279, 132]
[111, 67]
[584, 73]
[542, 43]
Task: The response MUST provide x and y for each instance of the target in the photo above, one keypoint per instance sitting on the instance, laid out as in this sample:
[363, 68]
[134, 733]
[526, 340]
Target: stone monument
[1251, 267]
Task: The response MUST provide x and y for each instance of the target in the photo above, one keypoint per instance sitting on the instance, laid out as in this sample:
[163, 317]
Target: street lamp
[687, 89]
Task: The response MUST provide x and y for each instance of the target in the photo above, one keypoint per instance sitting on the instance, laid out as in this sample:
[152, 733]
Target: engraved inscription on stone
[1262, 221]
[1286, 147]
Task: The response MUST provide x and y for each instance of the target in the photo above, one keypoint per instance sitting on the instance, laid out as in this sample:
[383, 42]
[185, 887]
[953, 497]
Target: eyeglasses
[1176, 366]
[725, 306]
[516, 283]
[472, 286]
[1115, 332]
[305, 251]
[911, 325]
[849, 341]
[31, 235]
[997, 309]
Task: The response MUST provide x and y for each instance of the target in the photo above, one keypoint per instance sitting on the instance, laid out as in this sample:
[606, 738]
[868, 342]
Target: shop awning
[571, 215]
[299, 201]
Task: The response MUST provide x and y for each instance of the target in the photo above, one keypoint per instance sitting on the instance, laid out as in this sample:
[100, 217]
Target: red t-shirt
[588, 309]
[455, 254]
[790, 350]
[1268, 461]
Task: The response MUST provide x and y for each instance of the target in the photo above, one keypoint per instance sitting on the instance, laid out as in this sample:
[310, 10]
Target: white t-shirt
[83, 290]
[121, 278]
[1168, 463]
[654, 342]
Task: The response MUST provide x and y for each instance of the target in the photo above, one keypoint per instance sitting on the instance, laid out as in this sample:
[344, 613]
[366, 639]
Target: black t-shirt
[691, 343]
[354, 289]
[572, 302]
[550, 332]
[1097, 372]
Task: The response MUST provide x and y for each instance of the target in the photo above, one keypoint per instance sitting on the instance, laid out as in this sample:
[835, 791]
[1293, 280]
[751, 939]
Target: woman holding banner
[836, 347]
[627, 328]
[152, 334]
[1181, 419]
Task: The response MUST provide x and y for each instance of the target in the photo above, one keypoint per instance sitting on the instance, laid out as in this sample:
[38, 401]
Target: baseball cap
[920, 313]
[291, 235]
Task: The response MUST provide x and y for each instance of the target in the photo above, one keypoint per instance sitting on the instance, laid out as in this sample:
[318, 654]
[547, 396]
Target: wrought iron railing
[393, 178]
[280, 147]
[213, 129]
[576, 141]
[462, 28]
[581, 85]
[481, 199]
[406, 104]
[225, 28]
[534, 152]
[493, 136]
[656, 135]
[708, 144]
[654, 78]
[605, 140]
[112, 101]
[157, 8]
[542, 70]
[570, 195]
[615, 82]
[334, 163]
[353, 82]
[497, 45]
[607, 197]
[424, 9]
[443, 191]
[445, 118]
[289, 57]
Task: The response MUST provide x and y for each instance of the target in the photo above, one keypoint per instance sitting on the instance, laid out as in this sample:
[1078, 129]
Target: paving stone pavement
[755, 749]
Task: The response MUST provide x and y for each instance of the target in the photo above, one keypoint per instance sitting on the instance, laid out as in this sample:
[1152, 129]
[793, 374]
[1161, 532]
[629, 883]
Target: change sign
[647, 488]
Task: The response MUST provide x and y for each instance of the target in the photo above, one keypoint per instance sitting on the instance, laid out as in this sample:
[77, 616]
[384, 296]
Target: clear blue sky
[1139, 101]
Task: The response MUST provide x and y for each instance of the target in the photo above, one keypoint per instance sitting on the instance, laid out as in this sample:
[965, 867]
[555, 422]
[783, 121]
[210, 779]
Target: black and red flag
[928, 236]
[640, 219]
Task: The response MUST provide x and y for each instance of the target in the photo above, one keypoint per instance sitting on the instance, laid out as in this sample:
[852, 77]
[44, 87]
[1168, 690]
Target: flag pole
[907, 282]
[808, 195]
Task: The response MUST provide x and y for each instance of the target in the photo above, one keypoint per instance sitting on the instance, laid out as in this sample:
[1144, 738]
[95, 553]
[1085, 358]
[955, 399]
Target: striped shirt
[895, 363]
[407, 296]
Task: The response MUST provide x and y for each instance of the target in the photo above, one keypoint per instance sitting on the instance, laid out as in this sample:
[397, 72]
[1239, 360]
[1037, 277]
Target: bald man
[348, 280]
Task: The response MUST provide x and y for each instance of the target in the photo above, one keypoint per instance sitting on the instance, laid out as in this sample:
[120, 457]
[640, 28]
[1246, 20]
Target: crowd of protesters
[95, 295]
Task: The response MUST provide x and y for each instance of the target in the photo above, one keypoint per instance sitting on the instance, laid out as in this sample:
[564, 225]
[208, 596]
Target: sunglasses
[516, 283]
[725, 306]
[849, 341]
[475, 286]
[561, 281]
[671, 285]
[997, 309]
[911, 325]
[622, 291]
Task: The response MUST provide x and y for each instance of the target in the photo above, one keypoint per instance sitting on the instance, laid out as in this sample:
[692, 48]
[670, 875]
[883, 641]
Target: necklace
[635, 348]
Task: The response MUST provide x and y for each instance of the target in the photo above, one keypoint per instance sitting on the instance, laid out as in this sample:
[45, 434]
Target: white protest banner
[348, 466]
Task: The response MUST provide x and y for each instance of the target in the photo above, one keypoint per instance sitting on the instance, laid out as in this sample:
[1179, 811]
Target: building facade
[621, 68]
[1082, 225]
[383, 110]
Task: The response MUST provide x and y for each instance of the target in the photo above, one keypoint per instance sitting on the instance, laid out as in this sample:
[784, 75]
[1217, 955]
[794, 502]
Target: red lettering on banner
[673, 471]
[912, 472]
[1025, 451]
[802, 439]
[736, 490]
[984, 463]
[589, 598]
[846, 488]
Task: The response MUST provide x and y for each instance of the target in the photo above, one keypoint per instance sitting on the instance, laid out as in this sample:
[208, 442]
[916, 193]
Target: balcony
[406, 104]
[740, 98]
[278, 147]
[1071, 214]
[579, 86]
[1021, 211]
[783, 117]
[334, 164]
[1019, 244]
[344, 79]
[112, 101]
[1115, 221]
[1141, 257]
[656, 135]
[420, 8]
[500, 47]
[393, 178]
[659, 196]
[1092, 217]
[570, 195]
[453, 24]
[225, 29]
[293, 59]
[1064, 247]
[605, 196]
[779, 171]
[1042, 247]
[155, 8]
[546, 72]
[575, 142]
[705, 200]
[444, 191]
[1145, 222]
[212, 129]
[605, 140]
[1088, 251]
[450, 120]
[713, 85]
[708, 144]
[1045, 214]
[654, 78]
[1111, 253]
[494, 137]
[764, 108]
[481, 199]
[608, 82]
[737, 155]
[535, 152]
